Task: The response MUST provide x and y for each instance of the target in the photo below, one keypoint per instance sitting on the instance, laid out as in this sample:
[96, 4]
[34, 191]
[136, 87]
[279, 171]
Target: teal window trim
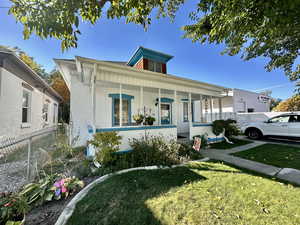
[100, 130]
[166, 100]
[124, 97]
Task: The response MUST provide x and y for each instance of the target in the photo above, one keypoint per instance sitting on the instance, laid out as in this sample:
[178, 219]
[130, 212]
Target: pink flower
[64, 189]
[62, 182]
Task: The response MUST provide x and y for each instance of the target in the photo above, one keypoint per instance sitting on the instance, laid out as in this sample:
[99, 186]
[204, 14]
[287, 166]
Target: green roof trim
[142, 52]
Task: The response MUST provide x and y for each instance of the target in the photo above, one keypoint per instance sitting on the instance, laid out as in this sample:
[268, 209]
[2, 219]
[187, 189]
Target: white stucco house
[243, 101]
[145, 87]
[27, 102]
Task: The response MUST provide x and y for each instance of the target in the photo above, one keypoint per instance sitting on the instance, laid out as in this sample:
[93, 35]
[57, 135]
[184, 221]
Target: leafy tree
[274, 102]
[251, 28]
[291, 104]
[59, 85]
[254, 28]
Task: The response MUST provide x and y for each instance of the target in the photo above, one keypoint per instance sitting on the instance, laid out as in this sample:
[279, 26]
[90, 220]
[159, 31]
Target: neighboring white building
[143, 84]
[27, 102]
[242, 101]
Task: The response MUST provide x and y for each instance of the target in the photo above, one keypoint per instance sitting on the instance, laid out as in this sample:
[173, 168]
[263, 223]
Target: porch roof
[111, 68]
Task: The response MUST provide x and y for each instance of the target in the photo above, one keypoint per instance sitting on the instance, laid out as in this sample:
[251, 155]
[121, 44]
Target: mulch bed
[48, 213]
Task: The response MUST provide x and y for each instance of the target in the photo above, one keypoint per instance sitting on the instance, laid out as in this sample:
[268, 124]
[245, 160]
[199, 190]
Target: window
[250, 110]
[125, 112]
[294, 119]
[26, 106]
[185, 111]
[54, 113]
[280, 119]
[46, 111]
[155, 66]
[165, 113]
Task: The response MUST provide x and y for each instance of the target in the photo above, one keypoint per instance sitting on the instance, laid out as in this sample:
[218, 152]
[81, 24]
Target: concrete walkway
[287, 174]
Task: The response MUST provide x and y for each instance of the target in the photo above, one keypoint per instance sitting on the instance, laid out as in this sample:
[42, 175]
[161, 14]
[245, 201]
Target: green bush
[106, 144]
[152, 151]
[229, 125]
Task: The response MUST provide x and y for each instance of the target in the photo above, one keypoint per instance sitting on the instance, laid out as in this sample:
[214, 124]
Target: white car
[282, 126]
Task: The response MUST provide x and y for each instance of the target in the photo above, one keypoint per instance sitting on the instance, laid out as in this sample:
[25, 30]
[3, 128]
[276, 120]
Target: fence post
[28, 157]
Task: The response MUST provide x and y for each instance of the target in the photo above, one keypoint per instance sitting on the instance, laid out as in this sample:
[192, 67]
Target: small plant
[139, 118]
[106, 144]
[48, 188]
[149, 120]
[66, 186]
[12, 209]
[227, 126]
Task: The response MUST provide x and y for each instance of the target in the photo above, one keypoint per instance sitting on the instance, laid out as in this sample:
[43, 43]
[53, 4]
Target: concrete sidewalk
[287, 174]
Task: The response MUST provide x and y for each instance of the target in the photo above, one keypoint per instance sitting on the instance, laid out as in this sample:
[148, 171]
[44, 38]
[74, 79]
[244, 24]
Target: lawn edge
[69, 209]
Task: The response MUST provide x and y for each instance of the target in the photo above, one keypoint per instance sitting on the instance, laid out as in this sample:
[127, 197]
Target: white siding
[11, 106]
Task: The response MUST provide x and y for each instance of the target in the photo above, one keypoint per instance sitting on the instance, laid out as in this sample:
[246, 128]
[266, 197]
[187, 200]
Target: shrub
[218, 127]
[106, 143]
[153, 150]
[12, 208]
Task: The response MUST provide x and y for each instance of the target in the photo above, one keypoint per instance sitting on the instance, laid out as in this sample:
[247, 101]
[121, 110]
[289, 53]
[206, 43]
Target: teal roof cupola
[146, 53]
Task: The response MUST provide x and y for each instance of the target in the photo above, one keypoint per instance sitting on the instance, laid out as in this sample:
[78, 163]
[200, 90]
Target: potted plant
[12, 209]
[149, 120]
[138, 118]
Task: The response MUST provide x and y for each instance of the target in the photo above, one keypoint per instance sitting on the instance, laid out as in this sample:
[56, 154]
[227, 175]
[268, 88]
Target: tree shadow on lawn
[120, 200]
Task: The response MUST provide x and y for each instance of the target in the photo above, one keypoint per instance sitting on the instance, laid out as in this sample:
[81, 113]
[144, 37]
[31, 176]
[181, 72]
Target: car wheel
[254, 134]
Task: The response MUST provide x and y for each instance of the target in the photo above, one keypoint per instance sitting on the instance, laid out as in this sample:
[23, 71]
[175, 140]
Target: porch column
[190, 110]
[159, 99]
[201, 110]
[211, 108]
[220, 109]
[175, 108]
[93, 83]
[120, 107]
[141, 99]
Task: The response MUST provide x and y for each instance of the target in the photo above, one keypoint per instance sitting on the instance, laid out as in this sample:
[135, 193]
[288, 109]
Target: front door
[165, 114]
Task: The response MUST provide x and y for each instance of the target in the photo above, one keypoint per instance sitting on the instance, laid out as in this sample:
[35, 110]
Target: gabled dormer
[148, 59]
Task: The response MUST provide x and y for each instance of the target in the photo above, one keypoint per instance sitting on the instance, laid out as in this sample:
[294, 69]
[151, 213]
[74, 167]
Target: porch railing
[210, 117]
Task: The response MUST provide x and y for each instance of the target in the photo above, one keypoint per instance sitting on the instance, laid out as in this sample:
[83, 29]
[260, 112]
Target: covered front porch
[178, 114]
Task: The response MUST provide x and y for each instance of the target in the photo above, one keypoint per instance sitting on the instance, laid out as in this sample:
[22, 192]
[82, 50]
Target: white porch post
[175, 108]
[211, 108]
[159, 99]
[141, 99]
[190, 110]
[220, 108]
[93, 81]
[201, 110]
[120, 107]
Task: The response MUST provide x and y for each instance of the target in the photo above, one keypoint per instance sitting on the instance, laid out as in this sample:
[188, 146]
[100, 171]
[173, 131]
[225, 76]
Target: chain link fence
[22, 157]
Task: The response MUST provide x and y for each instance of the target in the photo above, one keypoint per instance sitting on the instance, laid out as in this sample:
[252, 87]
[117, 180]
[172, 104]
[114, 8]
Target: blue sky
[115, 40]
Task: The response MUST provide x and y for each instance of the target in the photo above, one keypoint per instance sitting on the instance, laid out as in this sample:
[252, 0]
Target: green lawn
[198, 194]
[224, 145]
[273, 154]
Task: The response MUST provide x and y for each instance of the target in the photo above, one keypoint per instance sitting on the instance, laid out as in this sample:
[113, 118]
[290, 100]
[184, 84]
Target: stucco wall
[243, 100]
[11, 106]
[166, 133]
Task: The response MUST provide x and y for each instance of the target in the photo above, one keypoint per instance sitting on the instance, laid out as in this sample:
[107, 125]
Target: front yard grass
[273, 154]
[224, 145]
[199, 193]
